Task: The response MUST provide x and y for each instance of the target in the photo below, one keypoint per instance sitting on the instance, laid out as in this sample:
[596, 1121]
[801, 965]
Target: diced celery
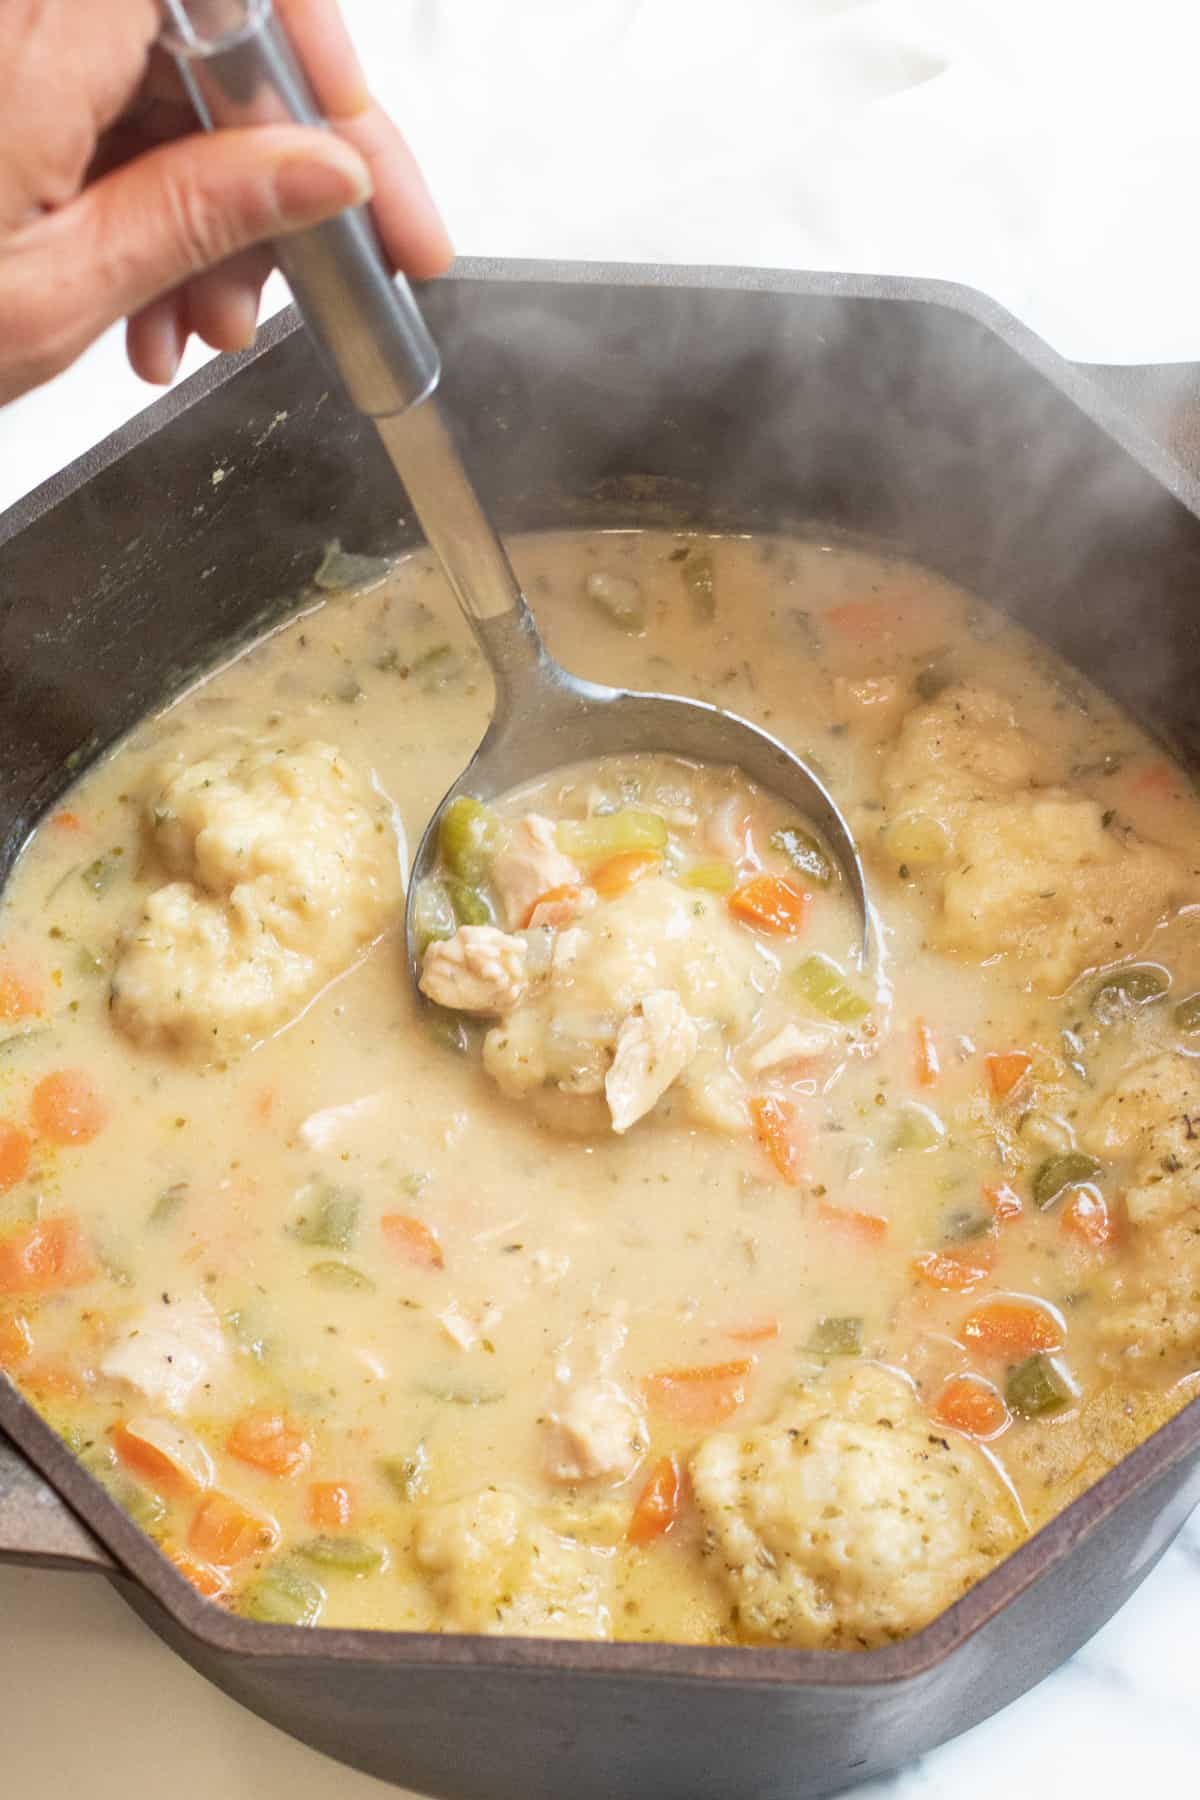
[342, 570]
[804, 853]
[588, 840]
[696, 567]
[168, 1203]
[471, 905]
[713, 877]
[99, 876]
[283, 1596]
[341, 1276]
[459, 1391]
[819, 981]
[1036, 1388]
[328, 1218]
[433, 917]
[350, 1556]
[836, 1337]
[1058, 1173]
[450, 1030]
[619, 597]
[917, 1128]
[407, 1476]
[469, 835]
[87, 962]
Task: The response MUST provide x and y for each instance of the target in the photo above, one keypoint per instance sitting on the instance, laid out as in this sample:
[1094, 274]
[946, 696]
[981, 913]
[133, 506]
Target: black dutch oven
[915, 416]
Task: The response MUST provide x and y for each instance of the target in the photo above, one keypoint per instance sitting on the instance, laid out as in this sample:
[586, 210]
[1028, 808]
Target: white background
[1045, 151]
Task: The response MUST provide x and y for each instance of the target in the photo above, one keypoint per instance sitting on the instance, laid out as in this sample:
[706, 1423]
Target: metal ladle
[240, 69]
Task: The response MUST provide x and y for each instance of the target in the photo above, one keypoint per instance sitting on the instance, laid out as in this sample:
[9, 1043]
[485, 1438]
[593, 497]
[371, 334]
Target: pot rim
[137, 1557]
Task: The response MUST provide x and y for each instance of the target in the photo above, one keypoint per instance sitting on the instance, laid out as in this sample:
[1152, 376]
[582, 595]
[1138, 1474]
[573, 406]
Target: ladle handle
[239, 68]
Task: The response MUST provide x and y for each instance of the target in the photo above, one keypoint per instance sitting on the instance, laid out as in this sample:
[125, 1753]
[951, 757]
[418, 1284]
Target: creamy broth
[346, 1326]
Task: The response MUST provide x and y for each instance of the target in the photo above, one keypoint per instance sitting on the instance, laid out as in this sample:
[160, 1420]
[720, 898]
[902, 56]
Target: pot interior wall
[888, 418]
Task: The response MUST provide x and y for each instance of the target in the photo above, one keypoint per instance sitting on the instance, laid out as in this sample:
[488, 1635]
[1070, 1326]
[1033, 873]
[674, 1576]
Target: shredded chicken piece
[596, 1434]
[656, 1042]
[528, 866]
[790, 1044]
[479, 970]
[168, 1350]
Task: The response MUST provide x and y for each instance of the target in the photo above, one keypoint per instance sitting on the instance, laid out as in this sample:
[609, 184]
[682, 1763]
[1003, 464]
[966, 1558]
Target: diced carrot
[54, 1376]
[43, 1257]
[1086, 1217]
[770, 904]
[972, 1406]
[15, 1148]
[754, 1331]
[777, 1128]
[555, 907]
[1158, 781]
[866, 1228]
[955, 1271]
[18, 996]
[1004, 1201]
[658, 1505]
[203, 1576]
[417, 1241]
[865, 620]
[269, 1441]
[264, 1105]
[620, 873]
[1012, 1328]
[929, 1063]
[67, 1109]
[226, 1533]
[331, 1505]
[1006, 1070]
[67, 821]
[164, 1456]
[701, 1396]
[16, 1340]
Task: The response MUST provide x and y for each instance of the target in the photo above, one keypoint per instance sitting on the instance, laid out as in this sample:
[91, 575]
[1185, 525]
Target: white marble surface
[1043, 150]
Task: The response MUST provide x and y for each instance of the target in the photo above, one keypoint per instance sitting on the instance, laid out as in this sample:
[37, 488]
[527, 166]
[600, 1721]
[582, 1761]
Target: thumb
[162, 218]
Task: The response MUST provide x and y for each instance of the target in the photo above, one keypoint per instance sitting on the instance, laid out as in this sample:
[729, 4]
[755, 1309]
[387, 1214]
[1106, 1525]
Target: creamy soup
[676, 1274]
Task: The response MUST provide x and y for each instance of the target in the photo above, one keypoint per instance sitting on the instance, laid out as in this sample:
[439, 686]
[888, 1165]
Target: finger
[160, 220]
[319, 36]
[222, 304]
[155, 339]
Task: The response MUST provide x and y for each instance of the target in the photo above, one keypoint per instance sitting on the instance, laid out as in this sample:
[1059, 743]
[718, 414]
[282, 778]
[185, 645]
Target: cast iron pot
[913, 415]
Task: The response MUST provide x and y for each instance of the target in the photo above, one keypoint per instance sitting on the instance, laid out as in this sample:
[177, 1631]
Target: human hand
[113, 204]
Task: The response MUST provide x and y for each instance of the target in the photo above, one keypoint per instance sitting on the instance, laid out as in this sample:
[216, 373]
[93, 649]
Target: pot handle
[36, 1527]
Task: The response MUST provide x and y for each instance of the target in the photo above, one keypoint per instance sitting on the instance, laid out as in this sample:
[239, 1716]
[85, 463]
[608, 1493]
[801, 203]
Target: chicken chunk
[655, 1043]
[596, 1433]
[847, 1523]
[1042, 880]
[479, 970]
[792, 1043]
[529, 865]
[284, 867]
[171, 1348]
[494, 1567]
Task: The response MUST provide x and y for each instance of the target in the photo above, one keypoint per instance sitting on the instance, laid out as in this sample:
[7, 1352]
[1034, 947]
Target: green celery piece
[87, 962]
[819, 981]
[471, 905]
[611, 834]
[836, 1337]
[696, 567]
[168, 1203]
[469, 835]
[340, 1276]
[804, 853]
[1035, 1389]
[1059, 1173]
[917, 1128]
[342, 570]
[458, 1391]
[1123, 989]
[407, 1476]
[329, 1217]
[712, 877]
[433, 916]
[99, 876]
[283, 1596]
[350, 1556]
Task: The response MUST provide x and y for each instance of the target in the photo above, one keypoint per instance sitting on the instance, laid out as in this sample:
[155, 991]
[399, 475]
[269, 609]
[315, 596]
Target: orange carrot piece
[928, 1061]
[331, 1505]
[18, 996]
[866, 1228]
[658, 1505]
[67, 821]
[770, 904]
[1086, 1217]
[776, 1126]
[415, 1240]
[702, 1396]
[1012, 1328]
[54, 1376]
[972, 1406]
[177, 1476]
[15, 1148]
[1004, 1201]
[43, 1257]
[67, 1109]
[555, 907]
[1158, 781]
[269, 1441]
[955, 1271]
[206, 1580]
[754, 1331]
[865, 620]
[16, 1340]
[226, 1533]
[623, 871]
[1006, 1070]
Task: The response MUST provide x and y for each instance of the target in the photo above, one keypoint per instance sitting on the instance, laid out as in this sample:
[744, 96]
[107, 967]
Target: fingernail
[309, 189]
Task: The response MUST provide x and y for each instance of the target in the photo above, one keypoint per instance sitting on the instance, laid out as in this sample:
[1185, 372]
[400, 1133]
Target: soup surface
[677, 1276]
